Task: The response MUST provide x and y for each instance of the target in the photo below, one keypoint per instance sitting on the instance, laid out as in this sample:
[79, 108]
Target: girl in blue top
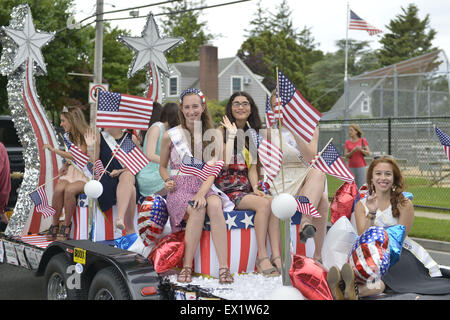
[148, 178]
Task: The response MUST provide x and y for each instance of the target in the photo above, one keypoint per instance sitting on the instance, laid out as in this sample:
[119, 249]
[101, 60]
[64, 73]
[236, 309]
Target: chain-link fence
[415, 146]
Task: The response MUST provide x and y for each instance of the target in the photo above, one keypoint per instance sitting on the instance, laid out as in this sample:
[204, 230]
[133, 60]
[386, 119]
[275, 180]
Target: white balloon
[93, 189]
[286, 293]
[338, 243]
[284, 206]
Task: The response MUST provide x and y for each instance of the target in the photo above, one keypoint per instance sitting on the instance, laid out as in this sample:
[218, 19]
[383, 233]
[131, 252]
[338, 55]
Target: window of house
[236, 84]
[365, 104]
[173, 86]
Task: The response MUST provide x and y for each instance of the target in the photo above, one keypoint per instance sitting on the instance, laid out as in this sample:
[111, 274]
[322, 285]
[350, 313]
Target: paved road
[17, 283]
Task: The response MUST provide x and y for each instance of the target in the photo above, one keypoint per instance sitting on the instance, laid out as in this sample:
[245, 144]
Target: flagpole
[280, 126]
[112, 157]
[346, 64]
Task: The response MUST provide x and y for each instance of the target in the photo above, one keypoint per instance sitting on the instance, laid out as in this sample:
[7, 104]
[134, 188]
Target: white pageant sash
[111, 142]
[177, 137]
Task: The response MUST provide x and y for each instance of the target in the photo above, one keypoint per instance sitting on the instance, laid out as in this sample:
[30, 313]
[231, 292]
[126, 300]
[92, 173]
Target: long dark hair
[156, 116]
[253, 119]
[169, 114]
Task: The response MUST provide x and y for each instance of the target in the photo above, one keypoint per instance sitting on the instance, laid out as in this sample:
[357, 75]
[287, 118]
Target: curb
[434, 245]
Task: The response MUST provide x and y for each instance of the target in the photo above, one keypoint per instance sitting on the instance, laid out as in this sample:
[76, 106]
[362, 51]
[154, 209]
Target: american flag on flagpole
[39, 198]
[98, 169]
[81, 159]
[192, 166]
[330, 162]
[117, 110]
[445, 141]
[131, 156]
[356, 23]
[270, 116]
[269, 154]
[299, 115]
[306, 207]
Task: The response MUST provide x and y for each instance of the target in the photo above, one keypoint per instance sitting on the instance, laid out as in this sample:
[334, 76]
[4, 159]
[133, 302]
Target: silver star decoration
[29, 43]
[150, 48]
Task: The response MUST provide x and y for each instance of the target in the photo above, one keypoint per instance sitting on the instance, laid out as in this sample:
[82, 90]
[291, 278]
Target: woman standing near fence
[355, 149]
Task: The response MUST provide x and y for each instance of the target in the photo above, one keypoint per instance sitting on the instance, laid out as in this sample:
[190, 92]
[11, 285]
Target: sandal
[272, 260]
[52, 232]
[186, 272]
[307, 232]
[225, 276]
[268, 272]
[64, 232]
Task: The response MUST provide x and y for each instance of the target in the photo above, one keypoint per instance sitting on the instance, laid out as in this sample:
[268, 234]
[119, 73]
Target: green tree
[409, 37]
[186, 24]
[327, 75]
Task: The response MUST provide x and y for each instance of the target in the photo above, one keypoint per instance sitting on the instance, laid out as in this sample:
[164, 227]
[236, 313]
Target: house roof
[424, 63]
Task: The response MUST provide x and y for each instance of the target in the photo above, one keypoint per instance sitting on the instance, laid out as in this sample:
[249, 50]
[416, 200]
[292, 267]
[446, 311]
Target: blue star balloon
[396, 236]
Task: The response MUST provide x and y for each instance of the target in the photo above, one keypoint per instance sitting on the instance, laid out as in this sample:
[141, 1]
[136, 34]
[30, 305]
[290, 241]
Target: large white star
[230, 222]
[150, 48]
[247, 220]
[30, 43]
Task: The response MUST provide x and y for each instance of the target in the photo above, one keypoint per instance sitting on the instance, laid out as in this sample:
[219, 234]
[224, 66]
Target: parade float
[100, 262]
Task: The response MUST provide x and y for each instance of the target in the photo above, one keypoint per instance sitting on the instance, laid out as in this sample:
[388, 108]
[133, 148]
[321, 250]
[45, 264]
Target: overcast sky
[326, 18]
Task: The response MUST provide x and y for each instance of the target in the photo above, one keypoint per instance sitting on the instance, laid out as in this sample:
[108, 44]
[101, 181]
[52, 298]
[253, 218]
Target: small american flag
[196, 167]
[270, 117]
[39, 198]
[81, 159]
[299, 115]
[117, 110]
[356, 23]
[131, 156]
[330, 162]
[445, 141]
[269, 154]
[98, 169]
[306, 207]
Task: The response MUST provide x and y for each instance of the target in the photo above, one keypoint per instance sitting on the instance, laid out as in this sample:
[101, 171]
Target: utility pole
[98, 77]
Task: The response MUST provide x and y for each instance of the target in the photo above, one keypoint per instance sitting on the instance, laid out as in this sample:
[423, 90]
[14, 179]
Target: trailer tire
[57, 277]
[108, 284]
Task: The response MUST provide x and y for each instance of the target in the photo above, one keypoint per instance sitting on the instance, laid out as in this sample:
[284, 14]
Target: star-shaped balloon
[150, 48]
[29, 43]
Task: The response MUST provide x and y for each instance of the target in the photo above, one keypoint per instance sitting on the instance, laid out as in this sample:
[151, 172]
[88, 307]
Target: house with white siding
[217, 78]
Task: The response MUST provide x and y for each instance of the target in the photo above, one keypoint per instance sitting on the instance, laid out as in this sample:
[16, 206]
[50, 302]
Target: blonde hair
[358, 130]
[78, 124]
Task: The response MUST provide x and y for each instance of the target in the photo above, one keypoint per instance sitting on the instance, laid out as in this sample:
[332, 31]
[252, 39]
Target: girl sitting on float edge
[119, 186]
[239, 180]
[181, 188]
[72, 180]
[386, 206]
[297, 154]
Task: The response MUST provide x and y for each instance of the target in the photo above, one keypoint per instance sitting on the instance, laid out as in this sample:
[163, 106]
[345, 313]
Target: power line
[158, 14]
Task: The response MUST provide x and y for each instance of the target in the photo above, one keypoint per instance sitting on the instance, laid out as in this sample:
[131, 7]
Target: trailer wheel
[108, 284]
[56, 278]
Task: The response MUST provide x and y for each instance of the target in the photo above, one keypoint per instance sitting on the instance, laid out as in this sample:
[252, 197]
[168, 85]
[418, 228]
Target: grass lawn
[423, 195]
[430, 229]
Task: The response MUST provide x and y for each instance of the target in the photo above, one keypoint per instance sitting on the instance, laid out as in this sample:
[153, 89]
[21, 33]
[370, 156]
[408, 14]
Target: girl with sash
[385, 206]
[239, 180]
[295, 179]
[148, 178]
[205, 198]
[72, 179]
[119, 185]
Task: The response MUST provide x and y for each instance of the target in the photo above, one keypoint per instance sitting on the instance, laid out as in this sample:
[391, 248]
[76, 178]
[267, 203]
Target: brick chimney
[209, 72]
